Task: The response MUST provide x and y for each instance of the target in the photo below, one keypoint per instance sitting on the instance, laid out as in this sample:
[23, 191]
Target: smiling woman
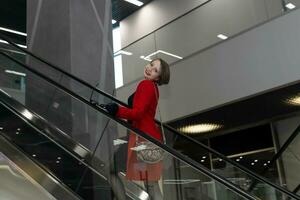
[143, 104]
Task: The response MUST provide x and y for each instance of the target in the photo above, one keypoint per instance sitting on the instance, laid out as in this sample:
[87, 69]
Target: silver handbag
[149, 153]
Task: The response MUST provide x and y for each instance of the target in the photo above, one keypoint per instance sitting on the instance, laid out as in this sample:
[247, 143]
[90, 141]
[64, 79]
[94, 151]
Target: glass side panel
[169, 178]
[53, 158]
[99, 136]
[16, 184]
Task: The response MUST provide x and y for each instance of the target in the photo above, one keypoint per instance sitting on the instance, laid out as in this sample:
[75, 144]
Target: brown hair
[165, 72]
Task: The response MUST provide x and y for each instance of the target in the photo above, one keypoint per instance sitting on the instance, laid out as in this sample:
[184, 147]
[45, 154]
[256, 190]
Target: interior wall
[260, 59]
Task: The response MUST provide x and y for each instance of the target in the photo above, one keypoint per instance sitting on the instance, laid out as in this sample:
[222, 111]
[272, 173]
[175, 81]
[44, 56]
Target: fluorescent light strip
[20, 45]
[123, 52]
[200, 128]
[14, 72]
[135, 2]
[290, 6]
[13, 31]
[223, 37]
[4, 42]
[12, 51]
[181, 181]
[148, 58]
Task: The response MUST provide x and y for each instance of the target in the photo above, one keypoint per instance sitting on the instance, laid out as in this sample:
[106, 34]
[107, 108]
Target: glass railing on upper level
[78, 117]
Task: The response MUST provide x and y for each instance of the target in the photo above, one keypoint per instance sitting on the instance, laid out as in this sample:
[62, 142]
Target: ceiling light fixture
[200, 128]
[223, 37]
[20, 45]
[290, 6]
[14, 72]
[123, 52]
[294, 100]
[12, 31]
[180, 181]
[148, 58]
[135, 2]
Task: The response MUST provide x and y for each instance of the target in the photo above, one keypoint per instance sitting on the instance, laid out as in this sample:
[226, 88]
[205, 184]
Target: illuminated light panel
[148, 58]
[14, 72]
[294, 101]
[12, 31]
[20, 45]
[135, 2]
[180, 181]
[123, 52]
[223, 37]
[200, 128]
[27, 114]
[290, 6]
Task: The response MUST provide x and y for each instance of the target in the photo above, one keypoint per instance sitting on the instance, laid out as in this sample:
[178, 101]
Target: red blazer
[144, 107]
[142, 116]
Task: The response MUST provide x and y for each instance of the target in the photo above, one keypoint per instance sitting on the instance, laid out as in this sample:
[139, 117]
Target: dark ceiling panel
[122, 9]
[13, 14]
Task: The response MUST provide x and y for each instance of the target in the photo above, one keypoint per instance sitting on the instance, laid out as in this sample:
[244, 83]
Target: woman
[141, 114]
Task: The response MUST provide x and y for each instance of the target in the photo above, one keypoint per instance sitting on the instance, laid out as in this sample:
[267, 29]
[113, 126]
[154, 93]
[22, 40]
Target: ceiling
[13, 14]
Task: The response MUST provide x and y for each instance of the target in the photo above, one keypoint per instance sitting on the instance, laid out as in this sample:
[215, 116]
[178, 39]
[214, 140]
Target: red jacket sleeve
[144, 95]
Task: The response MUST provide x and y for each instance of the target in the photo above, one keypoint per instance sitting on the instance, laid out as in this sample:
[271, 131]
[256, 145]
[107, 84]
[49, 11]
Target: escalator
[85, 172]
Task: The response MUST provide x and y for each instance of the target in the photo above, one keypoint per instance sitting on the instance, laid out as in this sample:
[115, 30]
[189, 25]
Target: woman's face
[152, 70]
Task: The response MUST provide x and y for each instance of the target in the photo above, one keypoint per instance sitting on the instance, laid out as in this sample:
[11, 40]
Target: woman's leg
[153, 190]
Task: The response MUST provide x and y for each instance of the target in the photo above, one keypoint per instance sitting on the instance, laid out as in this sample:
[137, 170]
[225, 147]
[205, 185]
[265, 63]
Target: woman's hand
[112, 108]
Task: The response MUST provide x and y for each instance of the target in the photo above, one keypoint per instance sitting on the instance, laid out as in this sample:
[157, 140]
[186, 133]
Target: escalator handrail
[166, 148]
[242, 168]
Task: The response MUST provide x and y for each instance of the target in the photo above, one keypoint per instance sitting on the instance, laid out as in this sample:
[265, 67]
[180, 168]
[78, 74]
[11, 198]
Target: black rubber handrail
[242, 168]
[170, 150]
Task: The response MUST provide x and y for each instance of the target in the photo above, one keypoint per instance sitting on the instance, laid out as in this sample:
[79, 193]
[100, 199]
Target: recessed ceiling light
[16, 73]
[237, 160]
[17, 133]
[294, 100]
[33, 155]
[135, 2]
[223, 37]
[252, 163]
[113, 21]
[57, 161]
[290, 6]
[255, 160]
[203, 157]
[58, 158]
[1, 128]
[202, 160]
[200, 128]
[12, 31]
